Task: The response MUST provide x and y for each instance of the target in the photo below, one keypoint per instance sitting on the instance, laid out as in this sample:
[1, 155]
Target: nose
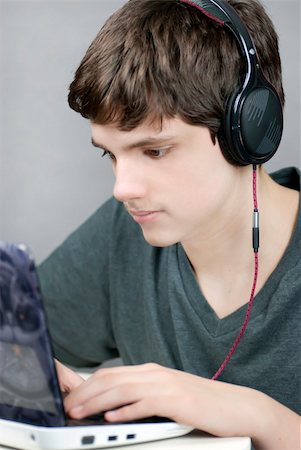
[130, 182]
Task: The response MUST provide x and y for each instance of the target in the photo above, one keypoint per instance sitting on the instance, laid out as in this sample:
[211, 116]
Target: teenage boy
[162, 274]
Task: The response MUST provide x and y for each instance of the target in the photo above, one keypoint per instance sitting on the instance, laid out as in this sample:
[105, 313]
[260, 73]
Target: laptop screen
[29, 390]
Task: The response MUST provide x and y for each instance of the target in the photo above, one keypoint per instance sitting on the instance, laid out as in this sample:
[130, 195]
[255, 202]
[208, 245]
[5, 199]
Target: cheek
[195, 183]
[199, 183]
[200, 194]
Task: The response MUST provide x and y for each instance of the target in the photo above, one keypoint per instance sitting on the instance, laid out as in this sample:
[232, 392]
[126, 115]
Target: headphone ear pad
[253, 124]
[261, 123]
[226, 133]
[230, 156]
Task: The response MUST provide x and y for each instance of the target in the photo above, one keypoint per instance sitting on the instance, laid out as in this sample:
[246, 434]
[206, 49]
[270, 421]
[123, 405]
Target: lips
[140, 213]
[144, 216]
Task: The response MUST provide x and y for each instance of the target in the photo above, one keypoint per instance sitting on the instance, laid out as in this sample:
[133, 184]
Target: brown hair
[162, 58]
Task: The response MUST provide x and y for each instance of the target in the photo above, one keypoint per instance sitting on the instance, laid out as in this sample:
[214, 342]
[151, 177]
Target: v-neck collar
[220, 326]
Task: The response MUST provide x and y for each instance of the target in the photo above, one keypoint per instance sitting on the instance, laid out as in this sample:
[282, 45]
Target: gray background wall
[51, 178]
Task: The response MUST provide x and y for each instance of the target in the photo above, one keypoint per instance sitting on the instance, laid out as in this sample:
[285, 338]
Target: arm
[222, 409]
[278, 427]
[75, 285]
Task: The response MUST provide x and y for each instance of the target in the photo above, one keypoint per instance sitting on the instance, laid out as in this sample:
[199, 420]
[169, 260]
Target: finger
[155, 370]
[147, 367]
[156, 405]
[90, 392]
[68, 379]
[89, 396]
[134, 411]
[105, 380]
[126, 371]
[114, 398]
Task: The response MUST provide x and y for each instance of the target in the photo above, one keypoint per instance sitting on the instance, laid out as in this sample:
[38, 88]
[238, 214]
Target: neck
[225, 242]
[222, 250]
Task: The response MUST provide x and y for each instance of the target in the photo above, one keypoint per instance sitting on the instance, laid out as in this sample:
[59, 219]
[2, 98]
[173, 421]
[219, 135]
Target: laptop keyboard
[88, 421]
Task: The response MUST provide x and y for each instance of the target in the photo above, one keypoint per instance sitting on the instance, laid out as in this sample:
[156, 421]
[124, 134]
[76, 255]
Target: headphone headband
[253, 121]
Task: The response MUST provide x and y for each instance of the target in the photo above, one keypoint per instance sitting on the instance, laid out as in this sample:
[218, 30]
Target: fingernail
[111, 414]
[76, 411]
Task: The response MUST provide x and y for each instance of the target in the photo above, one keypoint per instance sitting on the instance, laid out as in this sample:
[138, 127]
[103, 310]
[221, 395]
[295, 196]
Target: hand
[68, 379]
[222, 409]
[133, 392]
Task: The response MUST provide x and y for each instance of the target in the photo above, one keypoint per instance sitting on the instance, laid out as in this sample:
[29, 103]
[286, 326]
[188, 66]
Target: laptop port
[112, 438]
[86, 440]
[130, 436]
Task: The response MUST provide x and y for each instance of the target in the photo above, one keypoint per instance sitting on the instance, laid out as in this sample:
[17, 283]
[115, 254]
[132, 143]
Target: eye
[109, 154]
[157, 152]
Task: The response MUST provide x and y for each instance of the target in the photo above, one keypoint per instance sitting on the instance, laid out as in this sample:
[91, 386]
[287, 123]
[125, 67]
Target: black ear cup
[253, 124]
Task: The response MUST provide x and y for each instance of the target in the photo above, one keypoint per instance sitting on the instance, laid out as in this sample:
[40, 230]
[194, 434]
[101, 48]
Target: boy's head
[157, 59]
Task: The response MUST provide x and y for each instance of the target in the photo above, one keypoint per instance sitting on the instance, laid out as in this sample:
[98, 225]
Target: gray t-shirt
[109, 293]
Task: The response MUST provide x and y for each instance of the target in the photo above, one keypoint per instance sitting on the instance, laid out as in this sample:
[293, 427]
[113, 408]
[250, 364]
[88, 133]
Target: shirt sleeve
[75, 286]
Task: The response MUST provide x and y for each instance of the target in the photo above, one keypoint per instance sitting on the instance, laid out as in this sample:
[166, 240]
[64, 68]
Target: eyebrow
[141, 143]
[98, 145]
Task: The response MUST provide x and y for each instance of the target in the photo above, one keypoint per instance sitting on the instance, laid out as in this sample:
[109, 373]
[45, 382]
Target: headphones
[253, 121]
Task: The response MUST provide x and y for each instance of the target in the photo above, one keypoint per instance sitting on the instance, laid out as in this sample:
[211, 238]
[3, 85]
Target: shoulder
[288, 177]
[285, 197]
[110, 218]
[114, 224]
[114, 214]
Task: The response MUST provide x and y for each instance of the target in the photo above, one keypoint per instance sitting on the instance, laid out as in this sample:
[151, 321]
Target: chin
[160, 240]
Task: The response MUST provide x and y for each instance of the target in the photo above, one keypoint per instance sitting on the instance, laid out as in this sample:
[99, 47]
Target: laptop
[32, 413]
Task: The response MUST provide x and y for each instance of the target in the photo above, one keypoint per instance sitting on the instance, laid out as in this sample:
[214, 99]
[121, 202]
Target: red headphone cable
[250, 304]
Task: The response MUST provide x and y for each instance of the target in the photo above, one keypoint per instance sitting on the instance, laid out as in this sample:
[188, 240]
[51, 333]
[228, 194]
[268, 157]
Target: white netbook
[31, 406]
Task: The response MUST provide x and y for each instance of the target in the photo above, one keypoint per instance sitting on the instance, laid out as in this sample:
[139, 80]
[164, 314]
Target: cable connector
[255, 230]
